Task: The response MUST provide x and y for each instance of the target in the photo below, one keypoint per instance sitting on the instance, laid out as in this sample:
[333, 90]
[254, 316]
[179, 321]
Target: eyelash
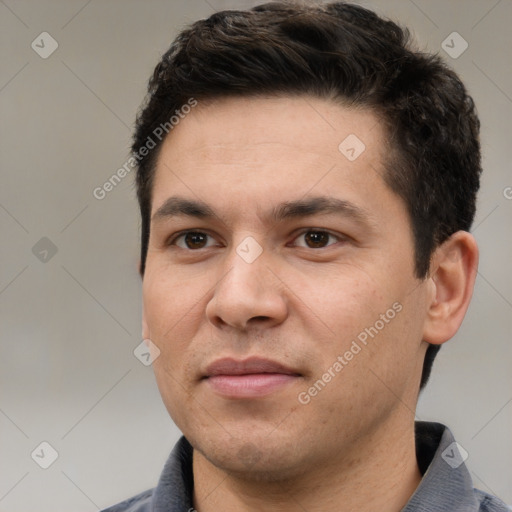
[339, 238]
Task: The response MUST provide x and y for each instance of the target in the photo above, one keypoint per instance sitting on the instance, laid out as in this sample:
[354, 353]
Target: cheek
[169, 296]
[171, 314]
[338, 301]
[172, 311]
[355, 315]
[390, 359]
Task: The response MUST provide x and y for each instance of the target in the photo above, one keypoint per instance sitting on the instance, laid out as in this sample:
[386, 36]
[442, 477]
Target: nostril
[260, 318]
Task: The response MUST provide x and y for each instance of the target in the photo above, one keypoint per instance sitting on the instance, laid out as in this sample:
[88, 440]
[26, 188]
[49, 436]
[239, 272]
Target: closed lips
[229, 366]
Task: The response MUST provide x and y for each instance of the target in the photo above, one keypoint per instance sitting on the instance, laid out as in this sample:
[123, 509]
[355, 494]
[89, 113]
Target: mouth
[250, 378]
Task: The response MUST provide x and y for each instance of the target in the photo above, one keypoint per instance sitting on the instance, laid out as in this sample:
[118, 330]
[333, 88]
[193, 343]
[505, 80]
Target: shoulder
[489, 503]
[139, 503]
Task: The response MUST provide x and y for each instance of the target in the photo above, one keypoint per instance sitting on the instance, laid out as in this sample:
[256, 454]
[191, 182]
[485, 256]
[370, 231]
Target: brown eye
[316, 239]
[196, 240]
[193, 240]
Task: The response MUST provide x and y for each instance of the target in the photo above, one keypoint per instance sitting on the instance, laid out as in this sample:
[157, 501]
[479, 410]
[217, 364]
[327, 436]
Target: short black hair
[342, 52]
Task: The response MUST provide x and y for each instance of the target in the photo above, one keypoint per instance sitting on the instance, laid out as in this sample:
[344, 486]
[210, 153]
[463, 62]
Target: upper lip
[253, 365]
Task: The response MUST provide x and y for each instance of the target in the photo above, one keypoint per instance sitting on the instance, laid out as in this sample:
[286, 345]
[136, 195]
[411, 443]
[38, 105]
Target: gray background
[69, 325]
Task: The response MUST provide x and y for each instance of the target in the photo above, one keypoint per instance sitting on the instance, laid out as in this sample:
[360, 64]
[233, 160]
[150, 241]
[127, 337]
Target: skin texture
[351, 447]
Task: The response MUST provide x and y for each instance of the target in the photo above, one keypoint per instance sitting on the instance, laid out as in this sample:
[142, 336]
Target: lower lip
[249, 386]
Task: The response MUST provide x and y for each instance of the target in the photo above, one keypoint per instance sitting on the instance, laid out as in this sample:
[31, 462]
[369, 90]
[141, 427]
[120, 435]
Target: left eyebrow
[322, 205]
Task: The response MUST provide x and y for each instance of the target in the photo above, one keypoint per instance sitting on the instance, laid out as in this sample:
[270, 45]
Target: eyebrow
[321, 205]
[176, 206]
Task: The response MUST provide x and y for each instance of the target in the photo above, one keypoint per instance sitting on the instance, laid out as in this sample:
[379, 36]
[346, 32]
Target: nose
[249, 295]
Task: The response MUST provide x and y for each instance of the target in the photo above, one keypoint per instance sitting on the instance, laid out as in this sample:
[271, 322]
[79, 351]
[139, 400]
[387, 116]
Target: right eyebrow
[178, 206]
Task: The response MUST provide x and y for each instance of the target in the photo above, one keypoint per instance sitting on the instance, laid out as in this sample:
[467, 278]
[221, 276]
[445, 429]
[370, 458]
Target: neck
[378, 472]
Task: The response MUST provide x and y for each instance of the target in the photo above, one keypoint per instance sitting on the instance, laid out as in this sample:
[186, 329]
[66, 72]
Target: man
[306, 183]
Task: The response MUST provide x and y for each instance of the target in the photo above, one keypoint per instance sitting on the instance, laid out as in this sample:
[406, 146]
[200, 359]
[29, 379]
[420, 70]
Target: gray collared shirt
[446, 485]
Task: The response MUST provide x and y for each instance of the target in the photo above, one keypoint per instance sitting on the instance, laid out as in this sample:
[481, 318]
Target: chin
[254, 460]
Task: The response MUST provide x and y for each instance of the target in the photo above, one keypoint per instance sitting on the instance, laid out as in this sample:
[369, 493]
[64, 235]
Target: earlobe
[452, 277]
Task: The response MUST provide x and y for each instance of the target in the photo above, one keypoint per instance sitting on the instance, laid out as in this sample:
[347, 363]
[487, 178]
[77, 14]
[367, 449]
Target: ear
[452, 277]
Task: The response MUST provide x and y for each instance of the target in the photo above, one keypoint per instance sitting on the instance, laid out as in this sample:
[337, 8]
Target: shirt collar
[176, 485]
[446, 483]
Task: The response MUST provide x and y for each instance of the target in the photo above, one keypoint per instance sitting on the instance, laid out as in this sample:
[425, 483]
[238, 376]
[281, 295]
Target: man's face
[298, 255]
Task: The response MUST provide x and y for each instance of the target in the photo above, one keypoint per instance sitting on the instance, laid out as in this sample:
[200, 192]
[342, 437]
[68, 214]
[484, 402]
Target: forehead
[270, 149]
[305, 122]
